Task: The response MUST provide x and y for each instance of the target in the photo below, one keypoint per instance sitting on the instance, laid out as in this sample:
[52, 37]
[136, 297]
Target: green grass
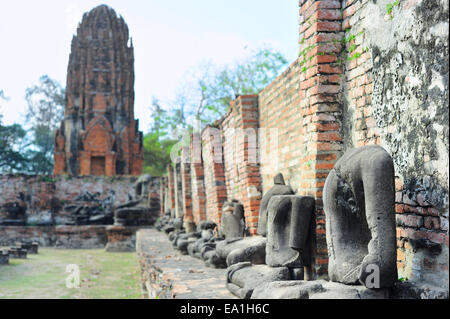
[103, 275]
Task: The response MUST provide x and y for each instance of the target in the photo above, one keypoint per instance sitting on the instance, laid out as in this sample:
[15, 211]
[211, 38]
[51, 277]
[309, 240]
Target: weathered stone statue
[360, 218]
[279, 188]
[253, 249]
[142, 186]
[290, 227]
[247, 260]
[13, 214]
[232, 221]
[141, 210]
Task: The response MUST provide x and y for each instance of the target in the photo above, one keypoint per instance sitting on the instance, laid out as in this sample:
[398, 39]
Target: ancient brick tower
[99, 135]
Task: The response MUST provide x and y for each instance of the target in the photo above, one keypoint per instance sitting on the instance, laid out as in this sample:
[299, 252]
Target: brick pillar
[243, 179]
[171, 189]
[110, 164]
[186, 183]
[197, 180]
[320, 106]
[60, 163]
[216, 193]
[162, 195]
[178, 191]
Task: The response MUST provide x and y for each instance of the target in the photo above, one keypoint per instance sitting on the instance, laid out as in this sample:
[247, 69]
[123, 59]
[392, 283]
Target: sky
[170, 37]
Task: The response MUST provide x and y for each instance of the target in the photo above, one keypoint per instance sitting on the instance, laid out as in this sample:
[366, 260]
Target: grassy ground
[103, 275]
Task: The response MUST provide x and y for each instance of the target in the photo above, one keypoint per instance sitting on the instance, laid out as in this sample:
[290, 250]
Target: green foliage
[11, 140]
[45, 113]
[45, 103]
[303, 54]
[33, 154]
[203, 96]
[156, 154]
[205, 93]
[390, 8]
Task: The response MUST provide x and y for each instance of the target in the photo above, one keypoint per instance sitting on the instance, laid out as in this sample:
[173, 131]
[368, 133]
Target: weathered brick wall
[215, 188]
[395, 90]
[300, 112]
[46, 193]
[171, 187]
[36, 192]
[359, 125]
[364, 75]
[178, 190]
[197, 180]
[163, 195]
[72, 237]
[186, 184]
[243, 180]
[66, 189]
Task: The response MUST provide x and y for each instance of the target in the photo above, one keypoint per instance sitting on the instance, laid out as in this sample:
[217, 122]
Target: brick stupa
[99, 135]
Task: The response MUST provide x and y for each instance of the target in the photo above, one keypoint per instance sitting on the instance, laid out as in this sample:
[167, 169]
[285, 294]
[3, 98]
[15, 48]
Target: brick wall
[186, 183]
[215, 188]
[243, 180]
[197, 180]
[163, 195]
[301, 109]
[357, 84]
[46, 193]
[382, 57]
[363, 76]
[69, 237]
[171, 187]
[178, 190]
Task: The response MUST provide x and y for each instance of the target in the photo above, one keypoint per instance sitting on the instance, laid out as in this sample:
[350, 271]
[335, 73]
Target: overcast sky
[169, 37]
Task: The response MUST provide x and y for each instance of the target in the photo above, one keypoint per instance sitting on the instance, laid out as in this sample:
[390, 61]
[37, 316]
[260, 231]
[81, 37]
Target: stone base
[67, 237]
[251, 249]
[316, 289]
[4, 257]
[31, 248]
[243, 278]
[121, 238]
[417, 290]
[17, 253]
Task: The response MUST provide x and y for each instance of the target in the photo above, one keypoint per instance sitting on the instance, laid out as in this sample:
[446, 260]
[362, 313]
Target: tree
[11, 141]
[205, 93]
[45, 113]
[157, 144]
[156, 154]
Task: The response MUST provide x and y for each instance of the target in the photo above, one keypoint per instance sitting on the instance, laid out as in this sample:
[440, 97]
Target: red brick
[432, 223]
[409, 220]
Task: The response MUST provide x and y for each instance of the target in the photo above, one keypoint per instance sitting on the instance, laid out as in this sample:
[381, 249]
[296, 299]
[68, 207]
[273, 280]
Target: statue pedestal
[316, 289]
[243, 277]
[4, 257]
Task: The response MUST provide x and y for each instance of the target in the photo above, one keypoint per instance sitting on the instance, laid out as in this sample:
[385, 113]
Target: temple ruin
[335, 186]
[99, 135]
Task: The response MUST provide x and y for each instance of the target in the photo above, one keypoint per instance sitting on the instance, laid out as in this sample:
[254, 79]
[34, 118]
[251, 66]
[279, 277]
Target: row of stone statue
[277, 262]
